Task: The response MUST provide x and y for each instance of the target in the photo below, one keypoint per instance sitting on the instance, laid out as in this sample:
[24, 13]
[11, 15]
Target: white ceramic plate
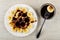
[16, 33]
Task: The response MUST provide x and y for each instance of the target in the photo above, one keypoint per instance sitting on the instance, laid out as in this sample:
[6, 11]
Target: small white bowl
[16, 33]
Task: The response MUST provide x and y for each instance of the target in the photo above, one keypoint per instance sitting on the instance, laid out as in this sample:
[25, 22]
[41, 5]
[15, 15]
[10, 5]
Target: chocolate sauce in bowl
[44, 12]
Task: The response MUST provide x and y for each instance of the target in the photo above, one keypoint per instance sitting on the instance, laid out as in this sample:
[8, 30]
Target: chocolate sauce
[20, 19]
[32, 21]
[24, 14]
[19, 14]
[27, 19]
[17, 24]
[21, 22]
[18, 10]
[14, 18]
[28, 24]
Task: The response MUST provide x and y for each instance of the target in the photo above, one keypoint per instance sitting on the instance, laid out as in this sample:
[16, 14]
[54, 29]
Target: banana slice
[13, 29]
[11, 24]
[13, 12]
[9, 18]
[29, 14]
[17, 15]
[19, 30]
[24, 10]
[25, 30]
[30, 26]
[32, 19]
[50, 8]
